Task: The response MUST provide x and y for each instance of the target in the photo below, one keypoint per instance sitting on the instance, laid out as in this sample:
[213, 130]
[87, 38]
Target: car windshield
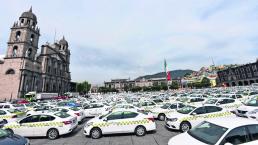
[102, 116]
[211, 101]
[62, 114]
[165, 106]
[3, 133]
[18, 105]
[186, 109]
[13, 110]
[252, 102]
[30, 104]
[207, 132]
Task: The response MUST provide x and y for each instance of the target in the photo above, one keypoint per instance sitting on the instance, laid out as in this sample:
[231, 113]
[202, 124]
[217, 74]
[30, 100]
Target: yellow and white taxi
[227, 103]
[146, 105]
[73, 111]
[120, 122]
[160, 112]
[49, 124]
[189, 116]
[8, 115]
[218, 131]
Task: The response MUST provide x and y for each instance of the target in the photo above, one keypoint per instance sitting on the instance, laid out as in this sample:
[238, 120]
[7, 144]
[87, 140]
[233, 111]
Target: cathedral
[24, 68]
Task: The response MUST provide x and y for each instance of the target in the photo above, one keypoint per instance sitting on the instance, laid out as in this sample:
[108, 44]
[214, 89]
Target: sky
[111, 39]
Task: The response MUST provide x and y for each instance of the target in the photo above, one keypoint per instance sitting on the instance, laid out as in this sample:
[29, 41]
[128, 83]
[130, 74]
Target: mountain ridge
[174, 74]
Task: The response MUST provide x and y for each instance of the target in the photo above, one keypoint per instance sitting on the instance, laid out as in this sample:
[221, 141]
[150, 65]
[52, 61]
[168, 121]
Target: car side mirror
[194, 113]
[105, 119]
[228, 143]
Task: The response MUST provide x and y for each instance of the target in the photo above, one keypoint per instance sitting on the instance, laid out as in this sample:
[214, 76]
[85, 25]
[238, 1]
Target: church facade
[25, 68]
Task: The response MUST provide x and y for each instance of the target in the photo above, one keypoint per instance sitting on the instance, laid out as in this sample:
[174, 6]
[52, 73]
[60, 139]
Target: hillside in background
[175, 74]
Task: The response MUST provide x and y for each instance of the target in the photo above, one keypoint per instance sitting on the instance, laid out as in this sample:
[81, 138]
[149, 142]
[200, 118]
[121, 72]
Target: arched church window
[28, 21]
[10, 71]
[15, 49]
[31, 38]
[28, 53]
[18, 35]
[33, 24]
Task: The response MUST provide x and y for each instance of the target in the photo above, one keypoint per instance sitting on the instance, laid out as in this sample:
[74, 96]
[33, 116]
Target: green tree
[174, 85]
[206, 82]
[136, 89]
[83, 87]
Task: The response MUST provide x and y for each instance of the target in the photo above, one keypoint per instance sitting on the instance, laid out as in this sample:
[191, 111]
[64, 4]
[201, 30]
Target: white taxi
[73, 111]
[227, 103]
[146, 105]
[249, 108]
[127, 107]
[49, 124]
[94, 109]
[220, 132]
[160, 112]
[189, 116]
[7, 115]
[120, 122]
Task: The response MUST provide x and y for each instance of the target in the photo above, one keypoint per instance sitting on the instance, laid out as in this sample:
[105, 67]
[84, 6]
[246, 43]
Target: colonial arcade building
[25, 68]
[239, 76]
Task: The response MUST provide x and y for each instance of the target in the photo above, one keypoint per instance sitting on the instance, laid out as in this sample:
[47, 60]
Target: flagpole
[165, 67]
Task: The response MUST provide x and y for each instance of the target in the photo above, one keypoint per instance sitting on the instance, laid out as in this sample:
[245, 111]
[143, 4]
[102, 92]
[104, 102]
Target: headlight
[172, 119]
[253, 112]
[89, 124]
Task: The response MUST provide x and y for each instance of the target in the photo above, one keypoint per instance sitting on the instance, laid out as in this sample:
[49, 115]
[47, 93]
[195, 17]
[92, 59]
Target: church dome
[29, 15]
[63, 42]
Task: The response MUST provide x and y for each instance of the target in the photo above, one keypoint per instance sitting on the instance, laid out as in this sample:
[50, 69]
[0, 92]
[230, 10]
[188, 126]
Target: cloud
[121, 39]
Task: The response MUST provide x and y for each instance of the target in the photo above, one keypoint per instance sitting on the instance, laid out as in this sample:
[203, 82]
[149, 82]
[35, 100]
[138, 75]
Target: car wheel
[140, 131]
[162, 117]
[95, 133]
[185, 126]
[10, 131]
[52, 134]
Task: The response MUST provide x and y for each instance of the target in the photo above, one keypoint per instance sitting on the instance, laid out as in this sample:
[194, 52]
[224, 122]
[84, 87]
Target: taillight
[67, 122]
[151, 119]
[78, 114]
[14, 116]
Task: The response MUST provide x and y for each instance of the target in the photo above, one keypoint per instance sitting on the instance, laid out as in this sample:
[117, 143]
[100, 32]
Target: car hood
[158, 110]
[95, 119]
[13, 140]
[247, 108]
[184, 139]
[176, 115]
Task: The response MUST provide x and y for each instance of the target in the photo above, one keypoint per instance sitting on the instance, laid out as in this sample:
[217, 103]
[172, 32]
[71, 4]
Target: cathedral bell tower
[24, 37]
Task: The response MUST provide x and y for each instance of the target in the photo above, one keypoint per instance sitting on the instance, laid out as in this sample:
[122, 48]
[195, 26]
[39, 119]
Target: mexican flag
[168, 76]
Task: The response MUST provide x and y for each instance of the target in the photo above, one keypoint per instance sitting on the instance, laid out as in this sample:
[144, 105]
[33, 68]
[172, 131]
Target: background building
[23, 69]
[239, 75]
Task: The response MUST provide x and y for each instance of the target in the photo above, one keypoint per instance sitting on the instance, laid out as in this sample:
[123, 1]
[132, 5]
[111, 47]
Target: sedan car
[7, 138]
[220, 132]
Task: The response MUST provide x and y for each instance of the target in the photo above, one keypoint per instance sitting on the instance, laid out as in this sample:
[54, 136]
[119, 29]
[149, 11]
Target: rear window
[75, 109]
[62, 114]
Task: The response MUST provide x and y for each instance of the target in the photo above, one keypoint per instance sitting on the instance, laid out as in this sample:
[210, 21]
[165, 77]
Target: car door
[253, 130]
[27, 126]
[99, 109]
[197, 116]
[43, 125]
[126, 123]
[236, 136]
[112, 122]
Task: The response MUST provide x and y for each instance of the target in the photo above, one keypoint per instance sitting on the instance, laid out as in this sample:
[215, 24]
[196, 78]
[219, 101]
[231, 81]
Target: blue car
[8, 138]
[72, 104]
